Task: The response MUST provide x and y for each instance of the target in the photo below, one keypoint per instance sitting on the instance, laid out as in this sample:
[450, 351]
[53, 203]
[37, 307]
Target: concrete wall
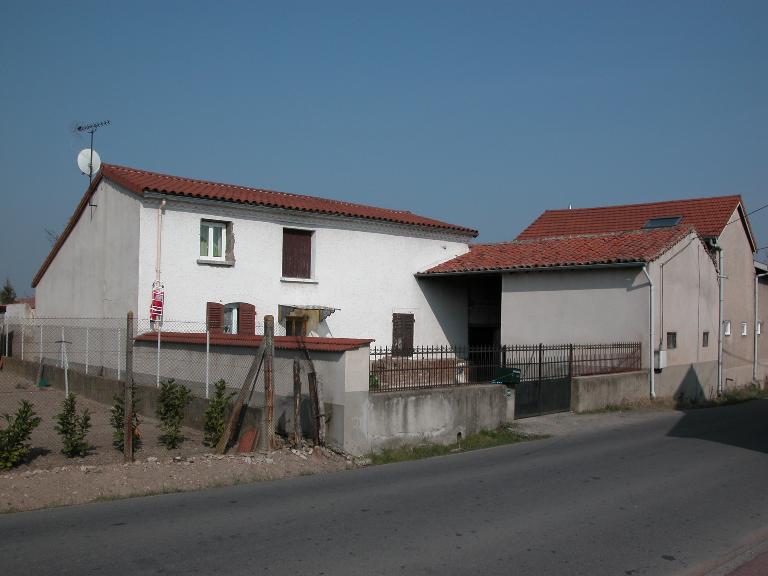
[94, 274]
[598, 392]
[575, 306]
[365, 269]
[682, 382]
[739, 303]
[391, 419]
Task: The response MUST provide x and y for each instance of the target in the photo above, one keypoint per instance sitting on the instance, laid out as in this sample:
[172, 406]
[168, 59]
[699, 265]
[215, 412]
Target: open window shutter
[402, 334]
[246, 319]
[297, 253]
[214, 317]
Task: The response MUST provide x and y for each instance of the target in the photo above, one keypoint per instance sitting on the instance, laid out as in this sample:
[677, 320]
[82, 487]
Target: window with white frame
[759, 328]
[744, 328]
[213, 240]
[727, 327]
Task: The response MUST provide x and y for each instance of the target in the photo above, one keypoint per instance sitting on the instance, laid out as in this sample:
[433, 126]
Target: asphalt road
[661, 496]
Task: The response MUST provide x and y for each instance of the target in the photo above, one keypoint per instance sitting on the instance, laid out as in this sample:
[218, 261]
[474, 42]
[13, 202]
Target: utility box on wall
[659, 359]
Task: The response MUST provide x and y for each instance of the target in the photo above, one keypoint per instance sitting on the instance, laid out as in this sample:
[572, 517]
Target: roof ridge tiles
[139, 171]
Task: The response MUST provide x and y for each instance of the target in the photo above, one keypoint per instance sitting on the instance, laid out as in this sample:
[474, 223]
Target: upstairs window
[705, 339]
[744, 328]
[297, 253]
[213, 240]
[759, 328]
[663, 222]
[727, 327]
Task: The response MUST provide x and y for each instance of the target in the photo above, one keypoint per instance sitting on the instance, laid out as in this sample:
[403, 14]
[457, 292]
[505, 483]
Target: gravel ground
[49, 478]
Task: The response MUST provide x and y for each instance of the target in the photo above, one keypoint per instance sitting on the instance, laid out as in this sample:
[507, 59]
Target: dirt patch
[48, 478]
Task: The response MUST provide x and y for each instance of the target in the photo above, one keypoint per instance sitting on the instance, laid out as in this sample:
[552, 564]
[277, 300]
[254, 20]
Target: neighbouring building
[227, 254]
[722, 222]
[596, 288]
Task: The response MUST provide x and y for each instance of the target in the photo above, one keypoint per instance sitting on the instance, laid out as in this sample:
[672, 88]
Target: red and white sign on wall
[158, 300]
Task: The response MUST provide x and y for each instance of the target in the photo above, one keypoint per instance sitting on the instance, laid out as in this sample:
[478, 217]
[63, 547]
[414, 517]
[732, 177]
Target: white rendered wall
[95, 273]
[365, 269]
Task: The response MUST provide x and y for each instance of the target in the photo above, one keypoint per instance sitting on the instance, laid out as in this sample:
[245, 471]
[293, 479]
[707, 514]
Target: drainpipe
[651, 335]
[757, 318]
[159, 239]
[721, 290]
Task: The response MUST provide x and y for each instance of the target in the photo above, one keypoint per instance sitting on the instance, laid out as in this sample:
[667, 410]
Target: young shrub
[73, 428]
[13, 438]
[215, 423]
[117, 421]
[171, 401]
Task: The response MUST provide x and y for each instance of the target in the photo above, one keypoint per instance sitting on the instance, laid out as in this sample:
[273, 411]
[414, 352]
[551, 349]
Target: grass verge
[484, 439]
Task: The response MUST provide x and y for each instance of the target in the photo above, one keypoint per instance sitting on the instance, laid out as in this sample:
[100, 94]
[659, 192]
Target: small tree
[215, 423]
[73, 428]
[8, 295]
[171, 401]
[117, 421]
[14, 437]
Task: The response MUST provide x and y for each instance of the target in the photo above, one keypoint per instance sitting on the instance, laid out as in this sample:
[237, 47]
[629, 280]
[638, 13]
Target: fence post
[128, 388]
[119, 340]
[87, 342]
[296, 403]
[207, 361]
[23, 325]
[6, 334]
[61, 349]
[570, 361]
[157, 373]
[269, 384]
[41, 343]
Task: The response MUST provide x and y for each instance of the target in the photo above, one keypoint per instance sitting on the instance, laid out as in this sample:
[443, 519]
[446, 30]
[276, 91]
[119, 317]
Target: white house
[321, 267]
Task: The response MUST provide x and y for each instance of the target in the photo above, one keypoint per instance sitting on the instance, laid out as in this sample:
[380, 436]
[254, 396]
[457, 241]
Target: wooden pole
[269, 382]
[128, 390]
[237, 408]
[296, 403]
[315, 401]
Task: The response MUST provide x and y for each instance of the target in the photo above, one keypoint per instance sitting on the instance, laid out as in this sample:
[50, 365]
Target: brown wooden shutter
[246, 319]
[214, 317]
[297, 253]
[402, 334]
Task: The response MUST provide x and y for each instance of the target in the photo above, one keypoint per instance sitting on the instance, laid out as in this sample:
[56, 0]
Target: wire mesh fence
[57, 351]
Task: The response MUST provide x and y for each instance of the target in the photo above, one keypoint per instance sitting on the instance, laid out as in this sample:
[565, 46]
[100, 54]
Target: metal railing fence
[439, 366]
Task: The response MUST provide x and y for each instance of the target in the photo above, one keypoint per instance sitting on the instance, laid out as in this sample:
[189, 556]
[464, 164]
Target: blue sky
[478, 113]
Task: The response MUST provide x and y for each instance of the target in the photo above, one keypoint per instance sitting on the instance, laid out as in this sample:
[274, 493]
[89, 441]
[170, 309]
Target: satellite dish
[84, 162]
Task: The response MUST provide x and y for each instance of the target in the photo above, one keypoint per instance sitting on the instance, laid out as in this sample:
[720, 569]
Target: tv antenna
[88, 160]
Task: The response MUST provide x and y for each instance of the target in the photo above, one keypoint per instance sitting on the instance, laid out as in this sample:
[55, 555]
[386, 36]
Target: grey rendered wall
[762, 340]
[739, 303]
[590, 306]
[598, 392]
[95, 273]
[686, 287]
[391, 419]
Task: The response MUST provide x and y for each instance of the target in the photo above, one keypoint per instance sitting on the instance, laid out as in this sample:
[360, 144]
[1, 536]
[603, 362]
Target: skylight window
[665, 222]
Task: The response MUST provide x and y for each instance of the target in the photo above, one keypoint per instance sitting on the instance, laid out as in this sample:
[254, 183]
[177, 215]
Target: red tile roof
[638, 246]
[708, 216]
[141, 181]
[311, 343]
